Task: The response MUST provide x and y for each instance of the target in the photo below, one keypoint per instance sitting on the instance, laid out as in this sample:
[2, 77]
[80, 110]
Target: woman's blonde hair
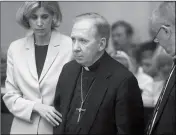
[24, 12]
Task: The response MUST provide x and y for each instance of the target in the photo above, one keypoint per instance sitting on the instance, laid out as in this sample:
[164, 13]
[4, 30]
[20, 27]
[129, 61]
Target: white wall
[136, 13]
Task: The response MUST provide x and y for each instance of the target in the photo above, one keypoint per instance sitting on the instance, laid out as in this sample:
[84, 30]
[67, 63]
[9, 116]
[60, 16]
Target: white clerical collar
[95, 65]
[86, 68]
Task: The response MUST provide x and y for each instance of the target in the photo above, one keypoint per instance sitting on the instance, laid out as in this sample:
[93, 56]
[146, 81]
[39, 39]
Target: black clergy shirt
[87, 81]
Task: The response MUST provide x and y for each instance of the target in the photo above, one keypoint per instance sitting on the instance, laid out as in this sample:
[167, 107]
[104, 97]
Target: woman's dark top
[40, 56]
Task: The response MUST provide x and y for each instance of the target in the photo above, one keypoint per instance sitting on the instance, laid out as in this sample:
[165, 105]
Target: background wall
[136, 13]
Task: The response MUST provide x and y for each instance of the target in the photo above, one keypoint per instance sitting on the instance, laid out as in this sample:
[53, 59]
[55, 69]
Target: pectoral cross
[80, 110]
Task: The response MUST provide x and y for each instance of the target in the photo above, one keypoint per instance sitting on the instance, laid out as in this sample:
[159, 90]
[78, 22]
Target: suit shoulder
[18, 41]
[63, 39]
[70, 64]
[17, 44]
[120, 67]
[120, 70]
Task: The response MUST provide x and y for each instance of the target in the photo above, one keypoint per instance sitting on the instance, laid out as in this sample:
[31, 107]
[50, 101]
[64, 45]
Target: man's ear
[167, 30]
[102, 44]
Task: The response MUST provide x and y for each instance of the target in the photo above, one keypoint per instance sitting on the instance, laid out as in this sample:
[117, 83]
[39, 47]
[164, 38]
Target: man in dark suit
[163, 120]
[95, 93]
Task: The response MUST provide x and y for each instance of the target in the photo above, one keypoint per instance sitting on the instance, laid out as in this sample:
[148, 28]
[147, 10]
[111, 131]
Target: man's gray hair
[102, 25]
[165, 12]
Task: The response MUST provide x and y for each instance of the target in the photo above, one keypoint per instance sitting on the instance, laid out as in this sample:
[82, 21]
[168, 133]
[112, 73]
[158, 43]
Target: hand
[49, 113]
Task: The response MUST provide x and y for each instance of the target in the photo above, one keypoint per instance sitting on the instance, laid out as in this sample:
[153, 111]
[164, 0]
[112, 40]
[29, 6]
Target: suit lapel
[70, 84]
[30, 52]
[95, 99]
[166, 96]
[53, 51]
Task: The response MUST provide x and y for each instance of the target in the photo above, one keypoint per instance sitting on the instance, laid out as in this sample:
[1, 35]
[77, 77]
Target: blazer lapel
[68, 92]
[53, 51]
[95, 99]
[166, 96]
[30, 52]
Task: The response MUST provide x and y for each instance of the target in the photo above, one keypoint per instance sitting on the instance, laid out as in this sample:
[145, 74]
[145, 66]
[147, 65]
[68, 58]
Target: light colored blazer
[24, 89]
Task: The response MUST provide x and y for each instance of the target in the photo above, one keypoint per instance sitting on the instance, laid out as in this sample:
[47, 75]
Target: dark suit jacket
[114, 106]
[165, 122]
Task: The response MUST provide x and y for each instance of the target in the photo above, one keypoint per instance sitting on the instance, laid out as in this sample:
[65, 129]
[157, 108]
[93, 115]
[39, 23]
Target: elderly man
[95, 93]
[163, 119]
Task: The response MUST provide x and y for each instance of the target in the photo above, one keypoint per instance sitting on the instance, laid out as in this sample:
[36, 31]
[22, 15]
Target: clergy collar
[95, 66]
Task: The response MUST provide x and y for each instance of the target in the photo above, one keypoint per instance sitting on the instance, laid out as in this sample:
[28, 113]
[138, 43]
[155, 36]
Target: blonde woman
[34, 64]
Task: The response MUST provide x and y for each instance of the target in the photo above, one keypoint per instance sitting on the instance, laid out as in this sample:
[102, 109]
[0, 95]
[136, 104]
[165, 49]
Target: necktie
[155, 112]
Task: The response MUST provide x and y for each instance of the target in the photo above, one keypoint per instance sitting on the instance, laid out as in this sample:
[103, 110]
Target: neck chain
[40, 44]
[82, 96]
[80, 110]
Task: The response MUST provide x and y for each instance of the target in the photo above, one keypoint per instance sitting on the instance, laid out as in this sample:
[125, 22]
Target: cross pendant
[80, 110]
